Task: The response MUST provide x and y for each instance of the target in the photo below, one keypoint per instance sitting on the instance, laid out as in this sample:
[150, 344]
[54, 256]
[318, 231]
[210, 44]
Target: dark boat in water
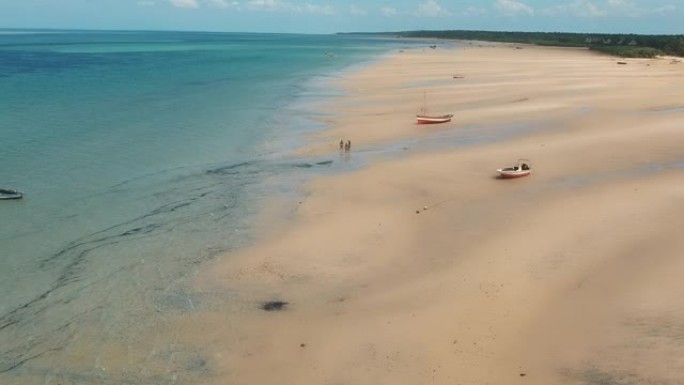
[10, 194]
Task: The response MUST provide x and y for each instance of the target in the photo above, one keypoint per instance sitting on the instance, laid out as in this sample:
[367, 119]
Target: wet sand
[429, 269]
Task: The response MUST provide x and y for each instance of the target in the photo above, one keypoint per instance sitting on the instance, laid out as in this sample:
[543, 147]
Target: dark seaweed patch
[274, 305]
[230, 169]
[598, 376]
[310, 165]
[303, 165]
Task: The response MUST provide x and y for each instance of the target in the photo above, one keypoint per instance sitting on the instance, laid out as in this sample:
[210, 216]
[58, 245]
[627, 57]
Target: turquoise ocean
[141, 156]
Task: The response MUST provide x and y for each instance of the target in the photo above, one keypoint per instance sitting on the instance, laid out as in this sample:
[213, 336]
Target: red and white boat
[424, 118]
[428, 119]
[522, 168]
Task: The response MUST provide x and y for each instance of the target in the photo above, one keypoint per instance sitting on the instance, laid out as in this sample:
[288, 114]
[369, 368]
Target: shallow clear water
[141, 155]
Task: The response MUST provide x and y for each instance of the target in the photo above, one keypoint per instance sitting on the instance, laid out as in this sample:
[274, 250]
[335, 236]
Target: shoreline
[92, 274]
[428, 268]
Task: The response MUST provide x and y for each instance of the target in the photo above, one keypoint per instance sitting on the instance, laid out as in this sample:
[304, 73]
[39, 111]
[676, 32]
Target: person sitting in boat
[516, 168]
[525, 166]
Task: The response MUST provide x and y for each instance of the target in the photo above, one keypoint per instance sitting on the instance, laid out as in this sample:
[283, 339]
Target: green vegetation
[624, 45]
[633, 52]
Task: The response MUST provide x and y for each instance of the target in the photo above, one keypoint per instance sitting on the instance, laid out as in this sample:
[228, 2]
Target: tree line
[625, 45]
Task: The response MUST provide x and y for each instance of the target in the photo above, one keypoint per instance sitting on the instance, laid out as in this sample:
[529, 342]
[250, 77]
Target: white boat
[521, 168]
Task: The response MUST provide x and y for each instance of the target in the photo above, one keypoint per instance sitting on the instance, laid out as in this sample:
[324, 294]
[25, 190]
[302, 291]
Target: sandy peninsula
[427, 269]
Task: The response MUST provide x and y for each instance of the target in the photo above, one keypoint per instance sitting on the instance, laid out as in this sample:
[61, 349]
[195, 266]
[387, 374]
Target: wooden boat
[10, 194]
[521, 168]
[428, 119]
[424, 118]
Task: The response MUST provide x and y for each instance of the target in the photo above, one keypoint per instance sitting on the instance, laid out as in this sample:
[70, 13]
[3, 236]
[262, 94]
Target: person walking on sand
[348, 147]
[341, 144]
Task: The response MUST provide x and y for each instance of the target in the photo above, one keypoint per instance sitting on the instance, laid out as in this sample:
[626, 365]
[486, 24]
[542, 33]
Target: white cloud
[279, 5]
[589, 9]
[665, 9]
[513, 8]
[625, 8]
[431, 8]
[357, 11]
[388, 11]
[265, 5]
[473, 11]
[630, 8]
[184, 3]
[581, 8]
[223, 3]
[617, 8]
[313, 8]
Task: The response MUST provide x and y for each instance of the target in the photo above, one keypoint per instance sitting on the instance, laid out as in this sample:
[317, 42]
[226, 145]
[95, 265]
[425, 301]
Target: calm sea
[141, 154]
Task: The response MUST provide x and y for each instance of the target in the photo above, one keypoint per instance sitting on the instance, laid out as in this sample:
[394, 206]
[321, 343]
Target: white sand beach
[427, 269]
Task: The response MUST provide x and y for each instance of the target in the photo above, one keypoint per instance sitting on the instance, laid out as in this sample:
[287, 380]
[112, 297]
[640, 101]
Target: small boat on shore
[428, 119]
[10, 194]
[424, 118]
[521, 168]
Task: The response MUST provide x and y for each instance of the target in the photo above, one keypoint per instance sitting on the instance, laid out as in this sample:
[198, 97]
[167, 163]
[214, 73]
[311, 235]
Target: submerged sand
[427, 269]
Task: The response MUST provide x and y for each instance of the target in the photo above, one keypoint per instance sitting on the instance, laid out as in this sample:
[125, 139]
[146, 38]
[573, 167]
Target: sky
[330, 16]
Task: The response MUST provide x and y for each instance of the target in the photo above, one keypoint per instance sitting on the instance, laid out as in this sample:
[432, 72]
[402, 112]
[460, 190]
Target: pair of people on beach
[345, 146]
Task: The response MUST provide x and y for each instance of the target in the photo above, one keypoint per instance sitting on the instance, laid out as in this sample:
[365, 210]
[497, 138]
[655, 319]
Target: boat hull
[424, 119]
[511, 174]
